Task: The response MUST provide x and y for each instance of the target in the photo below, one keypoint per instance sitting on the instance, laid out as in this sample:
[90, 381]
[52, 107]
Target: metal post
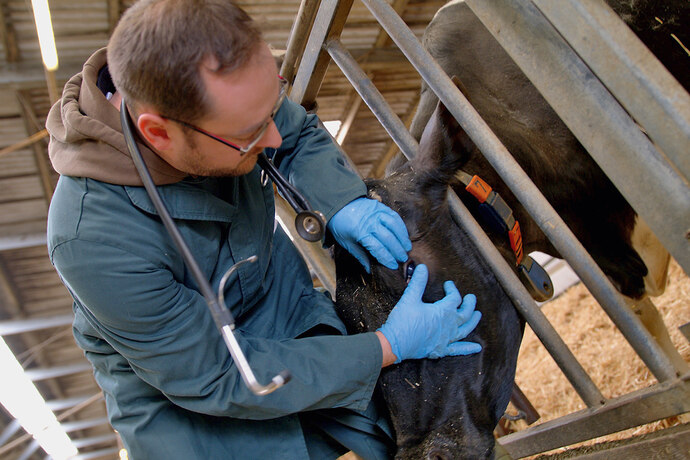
[542, 212]
[298, 37]
[328, 23]
[582, 383]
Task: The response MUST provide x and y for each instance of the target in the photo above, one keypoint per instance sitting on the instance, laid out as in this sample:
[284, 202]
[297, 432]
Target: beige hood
[86, 137]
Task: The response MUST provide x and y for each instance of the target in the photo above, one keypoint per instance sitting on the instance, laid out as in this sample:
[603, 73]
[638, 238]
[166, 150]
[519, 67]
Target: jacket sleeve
[312, 162]
[165, 332]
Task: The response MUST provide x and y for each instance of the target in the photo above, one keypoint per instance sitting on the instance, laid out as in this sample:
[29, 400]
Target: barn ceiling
[35, 309]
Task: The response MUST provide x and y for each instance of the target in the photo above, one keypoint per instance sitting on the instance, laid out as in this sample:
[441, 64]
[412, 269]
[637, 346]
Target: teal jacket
[171, 388]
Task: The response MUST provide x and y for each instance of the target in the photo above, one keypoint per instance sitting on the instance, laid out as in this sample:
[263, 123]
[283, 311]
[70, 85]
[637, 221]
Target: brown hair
[157, 48]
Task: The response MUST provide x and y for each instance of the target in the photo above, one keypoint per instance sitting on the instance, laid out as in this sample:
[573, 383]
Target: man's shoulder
[83, 208]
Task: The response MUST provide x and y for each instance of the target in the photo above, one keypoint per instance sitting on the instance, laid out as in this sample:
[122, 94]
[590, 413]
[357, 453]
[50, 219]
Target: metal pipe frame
[665, 399]
[572, 369]
[528, 194]
[594, 116]
[298, 37]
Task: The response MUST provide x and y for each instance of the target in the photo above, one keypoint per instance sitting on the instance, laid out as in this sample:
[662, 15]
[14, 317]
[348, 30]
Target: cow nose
[439, 454]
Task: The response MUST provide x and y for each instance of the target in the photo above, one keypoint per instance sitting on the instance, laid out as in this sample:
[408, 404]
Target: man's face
[240, 103]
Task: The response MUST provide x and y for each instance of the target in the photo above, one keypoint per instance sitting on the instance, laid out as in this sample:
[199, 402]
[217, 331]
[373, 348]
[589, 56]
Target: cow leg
[652, 320]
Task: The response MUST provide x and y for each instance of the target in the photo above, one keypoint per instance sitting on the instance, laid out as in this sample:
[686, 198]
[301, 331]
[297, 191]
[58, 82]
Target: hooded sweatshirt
[171, 388]
[86, 136]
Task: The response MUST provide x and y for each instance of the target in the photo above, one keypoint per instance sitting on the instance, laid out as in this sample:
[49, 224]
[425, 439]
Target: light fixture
[44, 27]
[21, 399]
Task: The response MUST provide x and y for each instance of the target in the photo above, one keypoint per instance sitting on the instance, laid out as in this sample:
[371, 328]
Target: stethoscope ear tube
[221, 315]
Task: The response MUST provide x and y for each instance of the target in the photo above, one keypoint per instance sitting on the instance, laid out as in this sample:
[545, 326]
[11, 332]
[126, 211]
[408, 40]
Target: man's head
[202, 62]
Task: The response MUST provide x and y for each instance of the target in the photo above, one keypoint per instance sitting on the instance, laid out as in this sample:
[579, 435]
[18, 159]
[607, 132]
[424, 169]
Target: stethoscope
[310, 225]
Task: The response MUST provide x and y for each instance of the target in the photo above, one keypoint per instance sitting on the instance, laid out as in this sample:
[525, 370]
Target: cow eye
[408, 270]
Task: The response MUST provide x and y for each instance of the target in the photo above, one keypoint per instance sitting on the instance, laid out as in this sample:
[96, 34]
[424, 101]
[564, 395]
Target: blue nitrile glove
[370, 224]
[416, 329]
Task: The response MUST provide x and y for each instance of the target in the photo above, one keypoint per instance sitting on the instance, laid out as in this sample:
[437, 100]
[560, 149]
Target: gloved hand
[370, 224]
[416, 329]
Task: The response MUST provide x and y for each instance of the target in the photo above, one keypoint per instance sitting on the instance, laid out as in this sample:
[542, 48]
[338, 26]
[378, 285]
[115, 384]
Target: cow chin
[449, 442]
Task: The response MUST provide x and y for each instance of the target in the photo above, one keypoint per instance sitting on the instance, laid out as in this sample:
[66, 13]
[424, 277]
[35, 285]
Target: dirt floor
[601, 350]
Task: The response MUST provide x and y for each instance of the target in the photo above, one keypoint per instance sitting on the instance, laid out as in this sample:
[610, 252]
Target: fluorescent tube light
[44, 27]
[21, 399]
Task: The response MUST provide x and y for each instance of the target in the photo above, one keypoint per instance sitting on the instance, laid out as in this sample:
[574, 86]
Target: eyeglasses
[259, 132]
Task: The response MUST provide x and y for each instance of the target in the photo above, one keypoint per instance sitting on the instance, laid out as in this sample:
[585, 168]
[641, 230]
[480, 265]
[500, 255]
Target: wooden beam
[24, 143]
[9, 37]
[30, 122]
[353, 104]
[114, 12]
[399, 6]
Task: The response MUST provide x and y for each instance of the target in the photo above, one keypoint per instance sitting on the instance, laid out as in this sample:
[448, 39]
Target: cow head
[446, 408]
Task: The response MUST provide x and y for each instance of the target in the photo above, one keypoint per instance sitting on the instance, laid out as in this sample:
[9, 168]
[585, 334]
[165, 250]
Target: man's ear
[156, 131]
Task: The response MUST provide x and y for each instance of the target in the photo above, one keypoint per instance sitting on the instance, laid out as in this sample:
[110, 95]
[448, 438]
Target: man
[189, 68]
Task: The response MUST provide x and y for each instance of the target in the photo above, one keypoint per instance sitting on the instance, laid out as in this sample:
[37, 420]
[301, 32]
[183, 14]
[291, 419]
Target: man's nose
[271, 137]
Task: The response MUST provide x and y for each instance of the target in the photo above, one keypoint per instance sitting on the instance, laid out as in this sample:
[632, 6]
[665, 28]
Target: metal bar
[65, 403]
[28, 452]
[9, 431]
[380, 168]
[97, 454]
[19, 326]
[648, 92]
[644, 406]
[542, 212]
[603, 127]
[329, 23]
[523, 301]
[44, 373]
[298, 37]
[319, 261]
[373, 98]
[84, 424]
[86, 442]
[10, 243]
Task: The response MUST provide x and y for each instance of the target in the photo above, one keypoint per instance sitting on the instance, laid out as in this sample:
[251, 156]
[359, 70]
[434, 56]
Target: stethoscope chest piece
[310, 225]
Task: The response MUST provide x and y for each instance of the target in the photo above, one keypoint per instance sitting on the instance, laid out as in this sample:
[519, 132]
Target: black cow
[445, 408]
[618, 240]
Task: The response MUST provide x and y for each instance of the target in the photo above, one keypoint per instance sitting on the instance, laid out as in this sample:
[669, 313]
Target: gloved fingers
[468, 326]
[388, 240]
[379, 251]
[393, 222]
[415, 288]
[469, 302]
[360, 255]
[463, 348]
[452, 298]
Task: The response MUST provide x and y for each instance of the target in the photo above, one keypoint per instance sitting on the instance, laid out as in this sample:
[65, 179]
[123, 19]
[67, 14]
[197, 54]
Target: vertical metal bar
[328, 23]
[538, 207]
[298, 37]
[582, 383]
[650, 184]
[629, 70]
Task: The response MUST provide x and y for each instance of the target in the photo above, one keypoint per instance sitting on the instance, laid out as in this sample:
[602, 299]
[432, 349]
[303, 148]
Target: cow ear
[444, 146]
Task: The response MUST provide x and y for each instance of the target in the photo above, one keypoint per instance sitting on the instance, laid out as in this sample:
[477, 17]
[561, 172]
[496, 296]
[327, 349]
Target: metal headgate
[548, 39]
